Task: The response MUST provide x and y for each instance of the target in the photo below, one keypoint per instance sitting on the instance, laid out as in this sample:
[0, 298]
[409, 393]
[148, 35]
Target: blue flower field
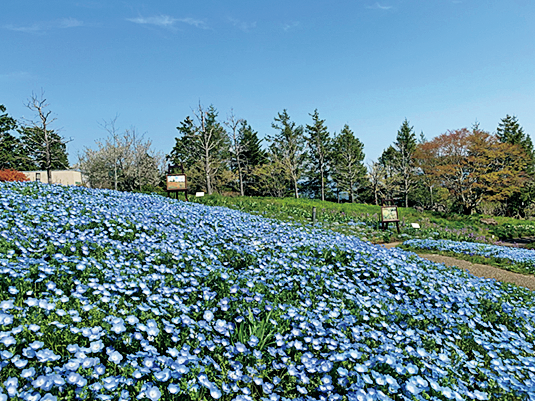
[518, 256]
[121, 296]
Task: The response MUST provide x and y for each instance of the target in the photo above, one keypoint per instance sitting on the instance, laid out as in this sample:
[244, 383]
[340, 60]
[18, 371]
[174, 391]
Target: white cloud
[244, 26]
[42, 27]
[35, 28]
[70, 23]
[166, 21]
[16, 76]
[161, 21]
[195, 22]
[290, 25]
[378, 6]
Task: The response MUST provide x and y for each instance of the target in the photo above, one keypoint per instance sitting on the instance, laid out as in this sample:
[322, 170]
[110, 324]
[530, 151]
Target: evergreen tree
[405, 146]
[318, 144]
[391, 176]
[347, 158]
[510, 131]
[288, 147]
[12, 155]
[252, 155]
[45, 148]
[204, 147]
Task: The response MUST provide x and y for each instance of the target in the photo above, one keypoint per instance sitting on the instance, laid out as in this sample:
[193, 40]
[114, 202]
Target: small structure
[61, 177]
[177, 182]
[389, 214]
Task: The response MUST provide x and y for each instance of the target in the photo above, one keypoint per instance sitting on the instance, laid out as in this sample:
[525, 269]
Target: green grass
[504, 264]
[336, 216]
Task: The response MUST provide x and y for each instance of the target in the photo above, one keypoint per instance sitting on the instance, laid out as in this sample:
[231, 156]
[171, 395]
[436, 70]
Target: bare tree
[236, 145]
[125, 162]
[110, 127]
[288, 146]
[376, 175]
[203, 140]
[44, 146]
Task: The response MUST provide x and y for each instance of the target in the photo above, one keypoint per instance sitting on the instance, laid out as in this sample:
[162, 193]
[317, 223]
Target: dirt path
[479, 270]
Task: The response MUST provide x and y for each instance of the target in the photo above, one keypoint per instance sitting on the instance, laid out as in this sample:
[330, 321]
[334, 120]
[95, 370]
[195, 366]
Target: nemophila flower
[173, 388]
[34, 327]
[46, 355]
[115, 357]
[153, 393]
[8, 341]
[208, 316]
[6, 305]
[132, 320]
[73, 378]
[28, 373]
[152, 328]
[369, 308]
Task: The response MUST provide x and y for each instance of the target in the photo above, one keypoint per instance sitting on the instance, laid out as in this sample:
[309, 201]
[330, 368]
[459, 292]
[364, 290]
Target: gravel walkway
[479, 270]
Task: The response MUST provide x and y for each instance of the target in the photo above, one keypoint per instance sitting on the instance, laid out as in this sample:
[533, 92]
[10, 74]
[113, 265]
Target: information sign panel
[389, 213]
[176, 182]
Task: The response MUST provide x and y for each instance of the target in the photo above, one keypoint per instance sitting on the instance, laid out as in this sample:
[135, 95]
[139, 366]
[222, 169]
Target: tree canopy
[474, 166]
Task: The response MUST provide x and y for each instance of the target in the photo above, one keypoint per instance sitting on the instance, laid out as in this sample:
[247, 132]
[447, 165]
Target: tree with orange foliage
[12, 175]
[474, 166]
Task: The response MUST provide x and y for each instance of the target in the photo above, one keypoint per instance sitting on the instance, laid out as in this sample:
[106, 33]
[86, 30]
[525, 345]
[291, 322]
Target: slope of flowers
[122, 296]
[519, 256]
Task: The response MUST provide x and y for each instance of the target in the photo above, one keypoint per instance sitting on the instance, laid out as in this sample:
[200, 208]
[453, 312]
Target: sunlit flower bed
[519, 256]
[124, 296]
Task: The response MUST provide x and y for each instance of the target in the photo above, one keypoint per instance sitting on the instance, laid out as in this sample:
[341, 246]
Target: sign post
[177, 182]
[389, 214]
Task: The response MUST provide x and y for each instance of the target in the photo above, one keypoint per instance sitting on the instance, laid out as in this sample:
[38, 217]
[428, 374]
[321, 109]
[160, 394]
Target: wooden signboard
[389, 214]
[176, 182]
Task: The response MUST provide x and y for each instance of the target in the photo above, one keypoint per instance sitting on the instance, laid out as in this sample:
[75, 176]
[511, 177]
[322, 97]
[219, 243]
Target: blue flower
[153, 393]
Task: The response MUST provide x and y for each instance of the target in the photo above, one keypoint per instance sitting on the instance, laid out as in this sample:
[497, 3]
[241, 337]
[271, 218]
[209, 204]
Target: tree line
[29, 145]
[464, 170]
[227, 156]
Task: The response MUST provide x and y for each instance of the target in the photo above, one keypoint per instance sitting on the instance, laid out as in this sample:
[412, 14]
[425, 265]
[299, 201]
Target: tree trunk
[296, 190]
[322, 186]
[351, 192]
[406, 193]
[240, 176]
[207, 176]
[242, 193]
[207, 171]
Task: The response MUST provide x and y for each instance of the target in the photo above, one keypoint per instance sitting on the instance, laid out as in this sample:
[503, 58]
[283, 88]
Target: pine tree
[319, 145]
[45, 148]
[510, 131]
[12, 154]
[391, 176]
[252, 155]
[405, 146]
[288, 147]
[204, 146]
[347, 158]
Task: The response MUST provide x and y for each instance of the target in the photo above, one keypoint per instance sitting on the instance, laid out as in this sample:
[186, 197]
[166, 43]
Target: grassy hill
[108, 295]
[341, 218]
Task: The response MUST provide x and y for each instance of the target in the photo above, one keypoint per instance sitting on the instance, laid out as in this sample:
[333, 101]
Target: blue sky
[441, 64]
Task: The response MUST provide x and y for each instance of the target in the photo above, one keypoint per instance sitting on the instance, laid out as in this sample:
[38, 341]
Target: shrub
[12, 175]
